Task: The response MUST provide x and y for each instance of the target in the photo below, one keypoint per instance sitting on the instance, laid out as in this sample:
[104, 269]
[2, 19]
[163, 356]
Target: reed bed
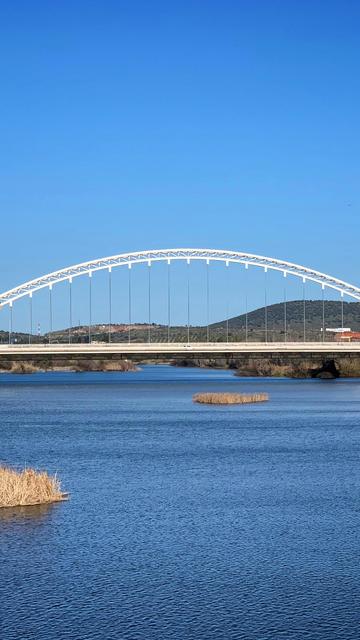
[28, 487]
[230, 398]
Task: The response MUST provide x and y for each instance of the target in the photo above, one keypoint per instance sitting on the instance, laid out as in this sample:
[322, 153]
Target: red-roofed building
[349, 336]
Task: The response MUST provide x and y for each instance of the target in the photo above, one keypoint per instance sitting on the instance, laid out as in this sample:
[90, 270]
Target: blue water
[185, 521]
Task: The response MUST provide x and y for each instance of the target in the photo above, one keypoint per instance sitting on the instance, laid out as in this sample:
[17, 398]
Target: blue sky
[133, 125]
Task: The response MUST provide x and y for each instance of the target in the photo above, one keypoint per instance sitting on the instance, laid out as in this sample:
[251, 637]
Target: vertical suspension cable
[246, 302]
[265, 305]
[304, 310]
[149, 301]
[207, 303]
[90, 306]
[227, 301]
[110, 304]
[285, 308]
[31, 317]
[50, 312]
[246, 318]
[10, 321]
[168, 300]
[129, 301]
[342, 310]
[323, 313]
[188, 301]
[70, 308]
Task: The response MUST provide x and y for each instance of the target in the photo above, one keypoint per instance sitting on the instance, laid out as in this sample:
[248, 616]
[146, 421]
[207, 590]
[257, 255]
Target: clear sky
[133, 125]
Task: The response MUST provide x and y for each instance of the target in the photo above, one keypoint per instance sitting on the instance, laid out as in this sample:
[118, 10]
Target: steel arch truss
[169, 255]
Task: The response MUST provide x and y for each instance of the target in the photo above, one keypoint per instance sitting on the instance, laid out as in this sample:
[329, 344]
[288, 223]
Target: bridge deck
[175, 348]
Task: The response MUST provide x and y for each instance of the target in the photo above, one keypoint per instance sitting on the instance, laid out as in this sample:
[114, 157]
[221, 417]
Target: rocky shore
[304, 365]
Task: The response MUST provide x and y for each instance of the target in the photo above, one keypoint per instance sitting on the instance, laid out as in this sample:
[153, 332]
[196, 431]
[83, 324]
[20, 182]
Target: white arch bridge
[169, 256]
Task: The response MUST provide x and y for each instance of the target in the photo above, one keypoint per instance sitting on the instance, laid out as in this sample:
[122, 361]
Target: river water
[185, 521]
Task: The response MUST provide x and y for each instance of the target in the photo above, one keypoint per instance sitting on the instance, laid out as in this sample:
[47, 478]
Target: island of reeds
[28, 487]
[230, 398]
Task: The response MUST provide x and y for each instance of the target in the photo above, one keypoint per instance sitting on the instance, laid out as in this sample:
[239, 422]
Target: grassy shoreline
[75, 365]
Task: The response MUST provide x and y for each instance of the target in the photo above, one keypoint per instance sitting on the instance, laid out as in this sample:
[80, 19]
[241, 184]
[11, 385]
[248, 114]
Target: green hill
[294, 319]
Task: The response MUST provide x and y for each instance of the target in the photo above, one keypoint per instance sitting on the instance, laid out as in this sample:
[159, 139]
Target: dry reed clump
[87, 364]
[23, 367]
[28, 487]
[230, 398]
[348, 368]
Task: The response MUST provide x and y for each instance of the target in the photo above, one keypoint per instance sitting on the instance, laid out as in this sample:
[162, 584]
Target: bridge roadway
[164, 348]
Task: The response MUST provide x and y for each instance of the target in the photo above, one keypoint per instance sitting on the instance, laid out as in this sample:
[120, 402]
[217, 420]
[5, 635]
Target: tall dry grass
[230, 398]
[23, 367]
[28, 487]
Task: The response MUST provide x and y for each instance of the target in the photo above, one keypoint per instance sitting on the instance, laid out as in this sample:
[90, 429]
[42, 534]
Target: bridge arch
[169, 255]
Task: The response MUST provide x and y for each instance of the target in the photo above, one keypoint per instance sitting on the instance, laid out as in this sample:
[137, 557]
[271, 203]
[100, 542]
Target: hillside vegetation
[255, 322]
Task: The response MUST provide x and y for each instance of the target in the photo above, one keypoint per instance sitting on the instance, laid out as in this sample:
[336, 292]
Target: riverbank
[285, 365]
[73, 364]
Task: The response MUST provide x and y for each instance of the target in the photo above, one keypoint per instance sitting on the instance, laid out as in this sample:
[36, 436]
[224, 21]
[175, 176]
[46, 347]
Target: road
[207, 348]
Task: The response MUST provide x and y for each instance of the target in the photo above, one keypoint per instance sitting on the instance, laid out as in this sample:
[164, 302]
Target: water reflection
[37, 512]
